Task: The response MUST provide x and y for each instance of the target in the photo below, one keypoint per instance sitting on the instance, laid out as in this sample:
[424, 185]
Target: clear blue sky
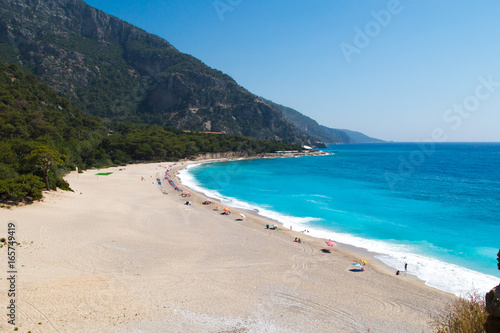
[399, 74]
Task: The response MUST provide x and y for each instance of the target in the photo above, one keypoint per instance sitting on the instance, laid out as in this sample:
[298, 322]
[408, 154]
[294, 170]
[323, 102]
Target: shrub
[465, 314]
[33, 185]
[21, 187]
[63, 185]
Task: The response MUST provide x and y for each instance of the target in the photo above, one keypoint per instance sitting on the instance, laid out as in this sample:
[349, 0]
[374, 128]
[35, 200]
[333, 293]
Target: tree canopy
[43, 136]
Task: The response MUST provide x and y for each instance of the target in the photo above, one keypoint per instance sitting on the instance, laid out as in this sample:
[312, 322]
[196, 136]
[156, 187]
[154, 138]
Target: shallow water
[435, 206]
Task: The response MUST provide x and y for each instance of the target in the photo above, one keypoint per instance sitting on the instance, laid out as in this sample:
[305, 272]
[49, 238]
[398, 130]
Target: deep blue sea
[434, 206]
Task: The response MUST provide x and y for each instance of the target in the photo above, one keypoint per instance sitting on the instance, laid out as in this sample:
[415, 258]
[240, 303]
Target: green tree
[21, 187]
[44, 158]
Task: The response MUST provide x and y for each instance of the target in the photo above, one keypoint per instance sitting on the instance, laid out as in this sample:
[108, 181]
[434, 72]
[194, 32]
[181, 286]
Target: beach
[120, 255]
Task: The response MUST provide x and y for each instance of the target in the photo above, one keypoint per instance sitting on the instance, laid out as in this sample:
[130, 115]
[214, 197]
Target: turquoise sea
[434, 206]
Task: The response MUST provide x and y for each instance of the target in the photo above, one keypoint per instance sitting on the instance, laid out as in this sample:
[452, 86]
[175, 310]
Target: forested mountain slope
[111, 69]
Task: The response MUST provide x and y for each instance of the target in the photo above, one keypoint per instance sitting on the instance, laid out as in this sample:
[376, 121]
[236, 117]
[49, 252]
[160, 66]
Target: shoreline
[120, 255]
[352, 249]
[362, 251]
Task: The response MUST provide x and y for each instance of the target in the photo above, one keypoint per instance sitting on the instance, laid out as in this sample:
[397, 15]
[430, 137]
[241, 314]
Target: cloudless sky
[419, 69]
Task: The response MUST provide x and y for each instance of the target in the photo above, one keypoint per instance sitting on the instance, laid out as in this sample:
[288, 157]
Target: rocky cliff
[114, 70]
[492, 301]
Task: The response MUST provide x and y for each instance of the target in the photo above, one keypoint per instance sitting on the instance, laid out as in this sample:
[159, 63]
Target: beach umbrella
[216, 208]
[363, 261]
[330, 243]
[275, 225]
[242, 215]
[226, 210]
[358, 266]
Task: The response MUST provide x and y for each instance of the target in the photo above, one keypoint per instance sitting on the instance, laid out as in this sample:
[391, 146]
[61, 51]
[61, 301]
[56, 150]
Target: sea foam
[435, 273]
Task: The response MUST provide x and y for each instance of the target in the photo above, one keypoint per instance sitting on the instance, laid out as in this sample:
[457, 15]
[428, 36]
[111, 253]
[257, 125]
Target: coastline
[432, 272]
[347, 250]
[118, 255]
[352, 250]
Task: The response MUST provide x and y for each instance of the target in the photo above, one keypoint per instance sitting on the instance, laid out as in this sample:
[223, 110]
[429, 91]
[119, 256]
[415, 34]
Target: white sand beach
[118, 255]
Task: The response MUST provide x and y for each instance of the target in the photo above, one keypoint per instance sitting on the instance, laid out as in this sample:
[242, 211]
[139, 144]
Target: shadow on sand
[356, 270]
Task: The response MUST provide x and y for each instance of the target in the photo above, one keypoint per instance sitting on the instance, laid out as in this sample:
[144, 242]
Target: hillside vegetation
[112, 69]
[322, 133]
[42, 136]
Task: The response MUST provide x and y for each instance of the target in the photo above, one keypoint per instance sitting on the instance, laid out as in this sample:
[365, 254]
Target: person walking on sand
[406, 267]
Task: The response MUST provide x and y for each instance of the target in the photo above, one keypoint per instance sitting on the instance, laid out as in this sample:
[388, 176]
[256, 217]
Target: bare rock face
[492, 299]
[498, 259]
[493, 302]
[111, 69]
[492, 325]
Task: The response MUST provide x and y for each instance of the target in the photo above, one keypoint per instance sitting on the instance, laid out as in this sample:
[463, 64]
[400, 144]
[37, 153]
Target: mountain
[112, 69]
[353, 136]
[42, 136]
[322, 133]
[306, 124]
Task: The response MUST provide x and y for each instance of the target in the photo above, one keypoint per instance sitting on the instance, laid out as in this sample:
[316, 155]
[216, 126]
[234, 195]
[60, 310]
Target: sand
[118, 255]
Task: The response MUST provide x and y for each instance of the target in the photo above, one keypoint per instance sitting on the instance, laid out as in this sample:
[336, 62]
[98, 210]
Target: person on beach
[397, 272]
[406, 267]
[296, 239]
